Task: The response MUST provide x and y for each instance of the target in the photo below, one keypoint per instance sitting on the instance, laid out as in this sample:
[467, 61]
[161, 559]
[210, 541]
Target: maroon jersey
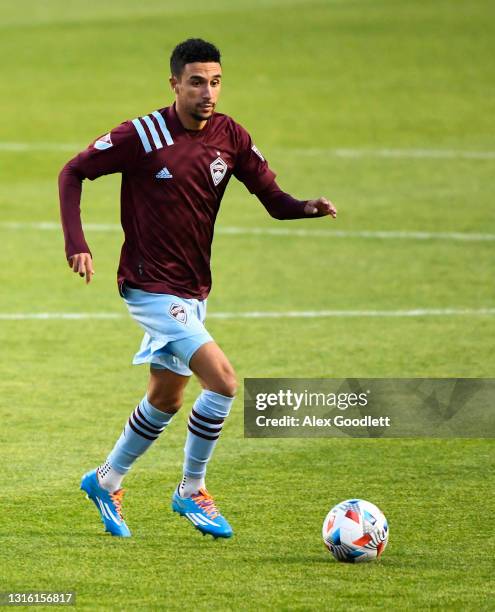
[173, 181]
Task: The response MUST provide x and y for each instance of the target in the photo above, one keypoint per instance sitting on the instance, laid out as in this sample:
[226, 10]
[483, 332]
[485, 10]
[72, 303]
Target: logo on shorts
[178, 312]
[218, 169]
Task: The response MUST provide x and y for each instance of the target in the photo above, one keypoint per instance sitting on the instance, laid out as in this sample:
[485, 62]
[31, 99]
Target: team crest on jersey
[218, 169]
[178, 312]
[105, 142]
[257, 151]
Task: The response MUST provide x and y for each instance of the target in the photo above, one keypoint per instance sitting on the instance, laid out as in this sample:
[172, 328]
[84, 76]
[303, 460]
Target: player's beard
[207, 115]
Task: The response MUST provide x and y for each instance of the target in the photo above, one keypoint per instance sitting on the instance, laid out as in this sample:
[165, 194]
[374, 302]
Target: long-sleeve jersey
[173, 181]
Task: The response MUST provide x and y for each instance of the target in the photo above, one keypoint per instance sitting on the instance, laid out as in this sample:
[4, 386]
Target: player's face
[197, 89]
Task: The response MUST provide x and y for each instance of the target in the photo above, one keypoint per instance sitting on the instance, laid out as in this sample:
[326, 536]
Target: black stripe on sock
[200, 435]
[208, 430]
[134, 428]
[152, 427]
[206, 419]
[154, 432]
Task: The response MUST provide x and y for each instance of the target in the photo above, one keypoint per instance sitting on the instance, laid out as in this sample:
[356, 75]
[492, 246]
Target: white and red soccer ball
[355, 530]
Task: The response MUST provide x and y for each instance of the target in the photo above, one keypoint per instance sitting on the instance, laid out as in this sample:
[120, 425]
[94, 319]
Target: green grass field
[384, 106]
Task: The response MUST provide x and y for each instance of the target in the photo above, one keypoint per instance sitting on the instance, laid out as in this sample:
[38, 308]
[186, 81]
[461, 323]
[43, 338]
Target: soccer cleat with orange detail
[109, 505]
[201, 511]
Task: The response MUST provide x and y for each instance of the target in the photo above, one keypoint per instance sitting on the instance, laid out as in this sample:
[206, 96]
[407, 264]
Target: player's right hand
[82, 264]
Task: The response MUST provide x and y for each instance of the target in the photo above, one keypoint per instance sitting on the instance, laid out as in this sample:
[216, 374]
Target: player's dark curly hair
[192, 50]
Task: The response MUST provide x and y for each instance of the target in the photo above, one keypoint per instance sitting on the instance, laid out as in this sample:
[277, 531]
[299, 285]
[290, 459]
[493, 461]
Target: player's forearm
[281, 205]
[70, 188]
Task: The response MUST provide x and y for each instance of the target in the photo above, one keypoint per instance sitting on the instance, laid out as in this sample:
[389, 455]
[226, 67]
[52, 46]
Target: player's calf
[103, 485]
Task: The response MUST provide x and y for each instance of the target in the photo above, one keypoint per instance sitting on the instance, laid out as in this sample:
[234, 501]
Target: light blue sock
[144, 426]
[204, 427]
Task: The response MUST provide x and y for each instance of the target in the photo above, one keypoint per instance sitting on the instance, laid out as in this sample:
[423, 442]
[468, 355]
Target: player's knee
[225, 383]
[165, 403]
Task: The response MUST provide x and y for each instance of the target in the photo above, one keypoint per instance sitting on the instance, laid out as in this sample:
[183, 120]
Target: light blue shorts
[173, 326]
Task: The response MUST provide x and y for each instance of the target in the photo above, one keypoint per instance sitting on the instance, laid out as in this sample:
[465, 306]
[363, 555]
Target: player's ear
[173, 83]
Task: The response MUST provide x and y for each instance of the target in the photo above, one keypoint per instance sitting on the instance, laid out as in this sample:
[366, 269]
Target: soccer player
[175, 164]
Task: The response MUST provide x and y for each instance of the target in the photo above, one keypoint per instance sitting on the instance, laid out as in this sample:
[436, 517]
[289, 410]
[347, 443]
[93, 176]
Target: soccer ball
[355, 530]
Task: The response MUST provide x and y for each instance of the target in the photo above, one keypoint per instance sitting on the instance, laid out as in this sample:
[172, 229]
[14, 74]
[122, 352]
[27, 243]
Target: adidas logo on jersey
[164, 173]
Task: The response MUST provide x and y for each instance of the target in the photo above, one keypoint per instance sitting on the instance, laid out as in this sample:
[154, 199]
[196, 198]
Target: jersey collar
[177, 128]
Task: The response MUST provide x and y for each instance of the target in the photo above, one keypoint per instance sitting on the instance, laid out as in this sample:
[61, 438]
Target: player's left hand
[320, 206]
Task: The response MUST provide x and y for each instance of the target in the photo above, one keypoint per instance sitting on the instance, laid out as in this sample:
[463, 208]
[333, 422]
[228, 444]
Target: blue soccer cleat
[109, 505]
[201, 511]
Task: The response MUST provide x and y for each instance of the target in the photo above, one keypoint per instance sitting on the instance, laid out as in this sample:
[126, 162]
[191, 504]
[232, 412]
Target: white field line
[284, 231]
[351, 153]
[290, 314]
[23, 147]
[394, 153]
[396, 234]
